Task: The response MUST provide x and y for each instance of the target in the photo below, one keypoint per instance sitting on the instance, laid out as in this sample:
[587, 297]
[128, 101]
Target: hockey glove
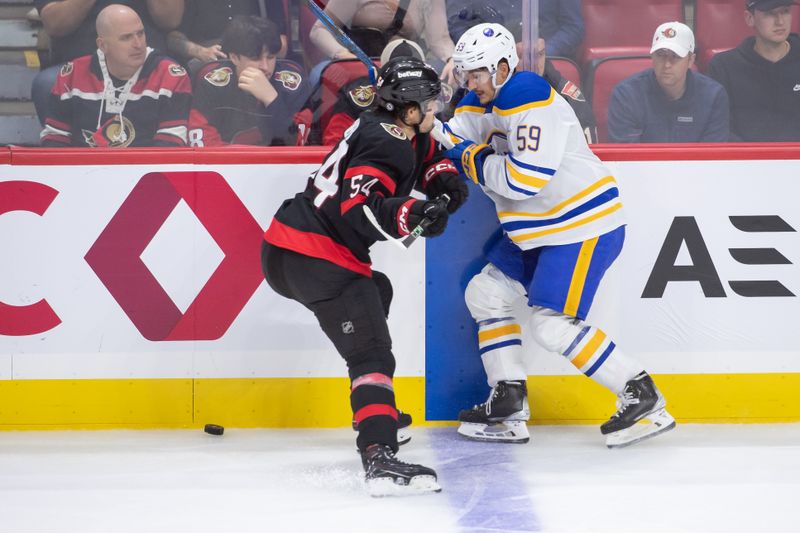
[431, 215]
[468, 157]
[442, 178]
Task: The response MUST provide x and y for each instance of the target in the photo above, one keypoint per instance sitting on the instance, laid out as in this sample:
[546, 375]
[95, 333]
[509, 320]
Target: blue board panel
[453, 371]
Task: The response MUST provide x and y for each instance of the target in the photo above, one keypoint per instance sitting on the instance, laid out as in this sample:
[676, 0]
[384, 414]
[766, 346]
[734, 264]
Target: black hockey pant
[352, 311]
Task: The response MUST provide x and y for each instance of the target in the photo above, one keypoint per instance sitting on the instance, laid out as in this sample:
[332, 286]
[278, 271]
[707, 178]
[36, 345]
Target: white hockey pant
[492, 298]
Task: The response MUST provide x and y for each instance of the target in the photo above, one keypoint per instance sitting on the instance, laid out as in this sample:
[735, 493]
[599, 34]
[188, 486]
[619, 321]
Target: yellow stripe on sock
[589, 350]
[490, 334]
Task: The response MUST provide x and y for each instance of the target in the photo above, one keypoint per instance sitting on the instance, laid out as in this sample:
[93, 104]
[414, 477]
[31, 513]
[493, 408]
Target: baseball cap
[674, 36]
[401, 48]
[766, 5]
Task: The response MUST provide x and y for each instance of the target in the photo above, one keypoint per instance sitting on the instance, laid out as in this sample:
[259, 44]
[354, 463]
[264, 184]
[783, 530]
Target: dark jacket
[639, 111]
[764, 96]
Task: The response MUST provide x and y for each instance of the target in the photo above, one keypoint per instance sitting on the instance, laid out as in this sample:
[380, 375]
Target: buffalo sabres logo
[362, 96]
[113, 134]
[66, 69]
[394, 131]
[219, 77]
[669, 33]
[289, 79]
[177, 70]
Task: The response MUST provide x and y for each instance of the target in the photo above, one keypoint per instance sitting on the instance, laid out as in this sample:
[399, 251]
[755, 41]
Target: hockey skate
[386, 475]
[641, 414]
[403, 423]
[503, 418]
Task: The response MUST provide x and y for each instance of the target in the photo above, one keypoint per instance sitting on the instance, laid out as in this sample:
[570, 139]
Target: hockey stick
[409, 239]
[438, 132]
[343, 39]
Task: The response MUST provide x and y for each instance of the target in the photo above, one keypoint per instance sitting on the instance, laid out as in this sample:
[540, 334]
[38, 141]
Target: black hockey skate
[386, 475]
[403, 422]
[502, 418]
[639, 400]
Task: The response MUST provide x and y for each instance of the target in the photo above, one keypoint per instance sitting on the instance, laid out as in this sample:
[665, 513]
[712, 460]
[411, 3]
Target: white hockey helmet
[483, 46]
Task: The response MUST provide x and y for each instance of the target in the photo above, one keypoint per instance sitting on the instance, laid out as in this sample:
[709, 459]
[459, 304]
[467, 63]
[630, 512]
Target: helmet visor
[472, 77]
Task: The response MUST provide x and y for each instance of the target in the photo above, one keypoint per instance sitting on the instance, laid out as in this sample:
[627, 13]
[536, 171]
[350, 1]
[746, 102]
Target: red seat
[720, 26]
[568, 68]
[605, 74]
[334, 76]
[624, 27]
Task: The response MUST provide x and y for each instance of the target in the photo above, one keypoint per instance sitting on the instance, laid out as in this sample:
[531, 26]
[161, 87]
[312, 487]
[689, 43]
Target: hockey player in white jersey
[563, 224]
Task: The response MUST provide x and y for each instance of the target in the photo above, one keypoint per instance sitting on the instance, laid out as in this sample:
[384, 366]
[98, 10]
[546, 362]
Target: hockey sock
[500, 343]
[598, 357]
[374, 411]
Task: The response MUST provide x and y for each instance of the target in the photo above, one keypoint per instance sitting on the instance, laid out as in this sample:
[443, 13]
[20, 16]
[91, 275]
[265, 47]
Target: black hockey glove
[452, 185]
[432, 215]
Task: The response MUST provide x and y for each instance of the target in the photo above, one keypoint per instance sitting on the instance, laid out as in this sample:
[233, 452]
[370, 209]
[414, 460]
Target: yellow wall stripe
[489, 334]
[285, 402]
[579, 277]
[581, 222]
[589, 349]
[593, 187]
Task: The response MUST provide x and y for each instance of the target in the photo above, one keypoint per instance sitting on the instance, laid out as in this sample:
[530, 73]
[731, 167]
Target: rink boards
[131, 294]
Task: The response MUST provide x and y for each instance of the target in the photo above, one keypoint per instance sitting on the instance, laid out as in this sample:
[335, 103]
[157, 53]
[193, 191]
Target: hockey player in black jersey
[316, 251]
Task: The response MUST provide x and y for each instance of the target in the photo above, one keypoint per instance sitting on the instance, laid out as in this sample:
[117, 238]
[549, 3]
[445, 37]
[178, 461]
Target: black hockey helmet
[407, 80]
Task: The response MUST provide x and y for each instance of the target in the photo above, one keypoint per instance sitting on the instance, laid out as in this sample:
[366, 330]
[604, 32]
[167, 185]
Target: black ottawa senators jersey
[222, 113]
[374, 164]
[154, 113]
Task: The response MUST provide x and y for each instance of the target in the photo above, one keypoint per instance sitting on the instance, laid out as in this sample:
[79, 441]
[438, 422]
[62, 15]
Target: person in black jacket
[316, 250]
[669, 103]
[762, 75]
[250, 98]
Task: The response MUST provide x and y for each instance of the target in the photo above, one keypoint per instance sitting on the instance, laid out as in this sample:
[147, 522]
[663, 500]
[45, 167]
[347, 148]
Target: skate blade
[511, 432]
[650, 426]
[382, 487]
[403, 436]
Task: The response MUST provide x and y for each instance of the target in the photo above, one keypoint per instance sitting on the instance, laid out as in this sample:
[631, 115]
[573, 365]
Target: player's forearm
[167, 14]
[64, 17]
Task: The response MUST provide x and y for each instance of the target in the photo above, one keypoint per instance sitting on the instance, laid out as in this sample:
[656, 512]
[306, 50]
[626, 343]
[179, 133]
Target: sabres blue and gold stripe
[589, 350]
[498, 333]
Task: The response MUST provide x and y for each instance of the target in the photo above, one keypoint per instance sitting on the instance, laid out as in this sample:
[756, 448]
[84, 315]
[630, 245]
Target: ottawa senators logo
[288, 78]
[571, 90]
[66, 69]
[669, 33]
[394, 130]
[177, 70]
[362, 96]
[112, 134]
[219, 77]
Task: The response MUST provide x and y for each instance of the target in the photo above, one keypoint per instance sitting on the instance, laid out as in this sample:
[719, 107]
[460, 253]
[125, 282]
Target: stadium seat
[623, 27]
[720, 26]
[568, 68]
[605, 74]
[334, 76]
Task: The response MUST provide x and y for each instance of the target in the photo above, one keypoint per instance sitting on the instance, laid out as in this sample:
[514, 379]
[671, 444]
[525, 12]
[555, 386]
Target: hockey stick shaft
[438, 132]
[343, 39]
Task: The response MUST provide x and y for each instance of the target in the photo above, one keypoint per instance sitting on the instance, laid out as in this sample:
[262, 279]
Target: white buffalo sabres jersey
[547, 186]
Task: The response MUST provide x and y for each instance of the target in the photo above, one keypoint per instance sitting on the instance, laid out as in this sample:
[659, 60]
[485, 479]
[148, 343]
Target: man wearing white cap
[669, 102]
[762, 75]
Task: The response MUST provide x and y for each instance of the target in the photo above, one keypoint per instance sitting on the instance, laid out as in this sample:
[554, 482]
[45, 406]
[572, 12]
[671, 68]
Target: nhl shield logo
[289, 79]
[363, 95]
[394, 130]
[219, 77]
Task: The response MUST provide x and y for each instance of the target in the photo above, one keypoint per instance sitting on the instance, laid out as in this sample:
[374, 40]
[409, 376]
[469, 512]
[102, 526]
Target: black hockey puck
[213, 429]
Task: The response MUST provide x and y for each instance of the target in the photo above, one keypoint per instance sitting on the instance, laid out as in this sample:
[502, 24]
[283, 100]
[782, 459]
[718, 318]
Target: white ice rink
[698, 478]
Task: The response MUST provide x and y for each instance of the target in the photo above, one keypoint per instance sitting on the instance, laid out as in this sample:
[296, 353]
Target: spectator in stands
[243, 99]
[359, 95]
[762, 75]
[125, 94]
[71, 27]
[373, 23]
[669, 102]
[560, 21]
[200, 34]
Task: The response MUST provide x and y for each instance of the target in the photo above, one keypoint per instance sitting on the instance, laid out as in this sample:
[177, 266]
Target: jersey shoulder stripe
[525, 90]
[470, 104]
